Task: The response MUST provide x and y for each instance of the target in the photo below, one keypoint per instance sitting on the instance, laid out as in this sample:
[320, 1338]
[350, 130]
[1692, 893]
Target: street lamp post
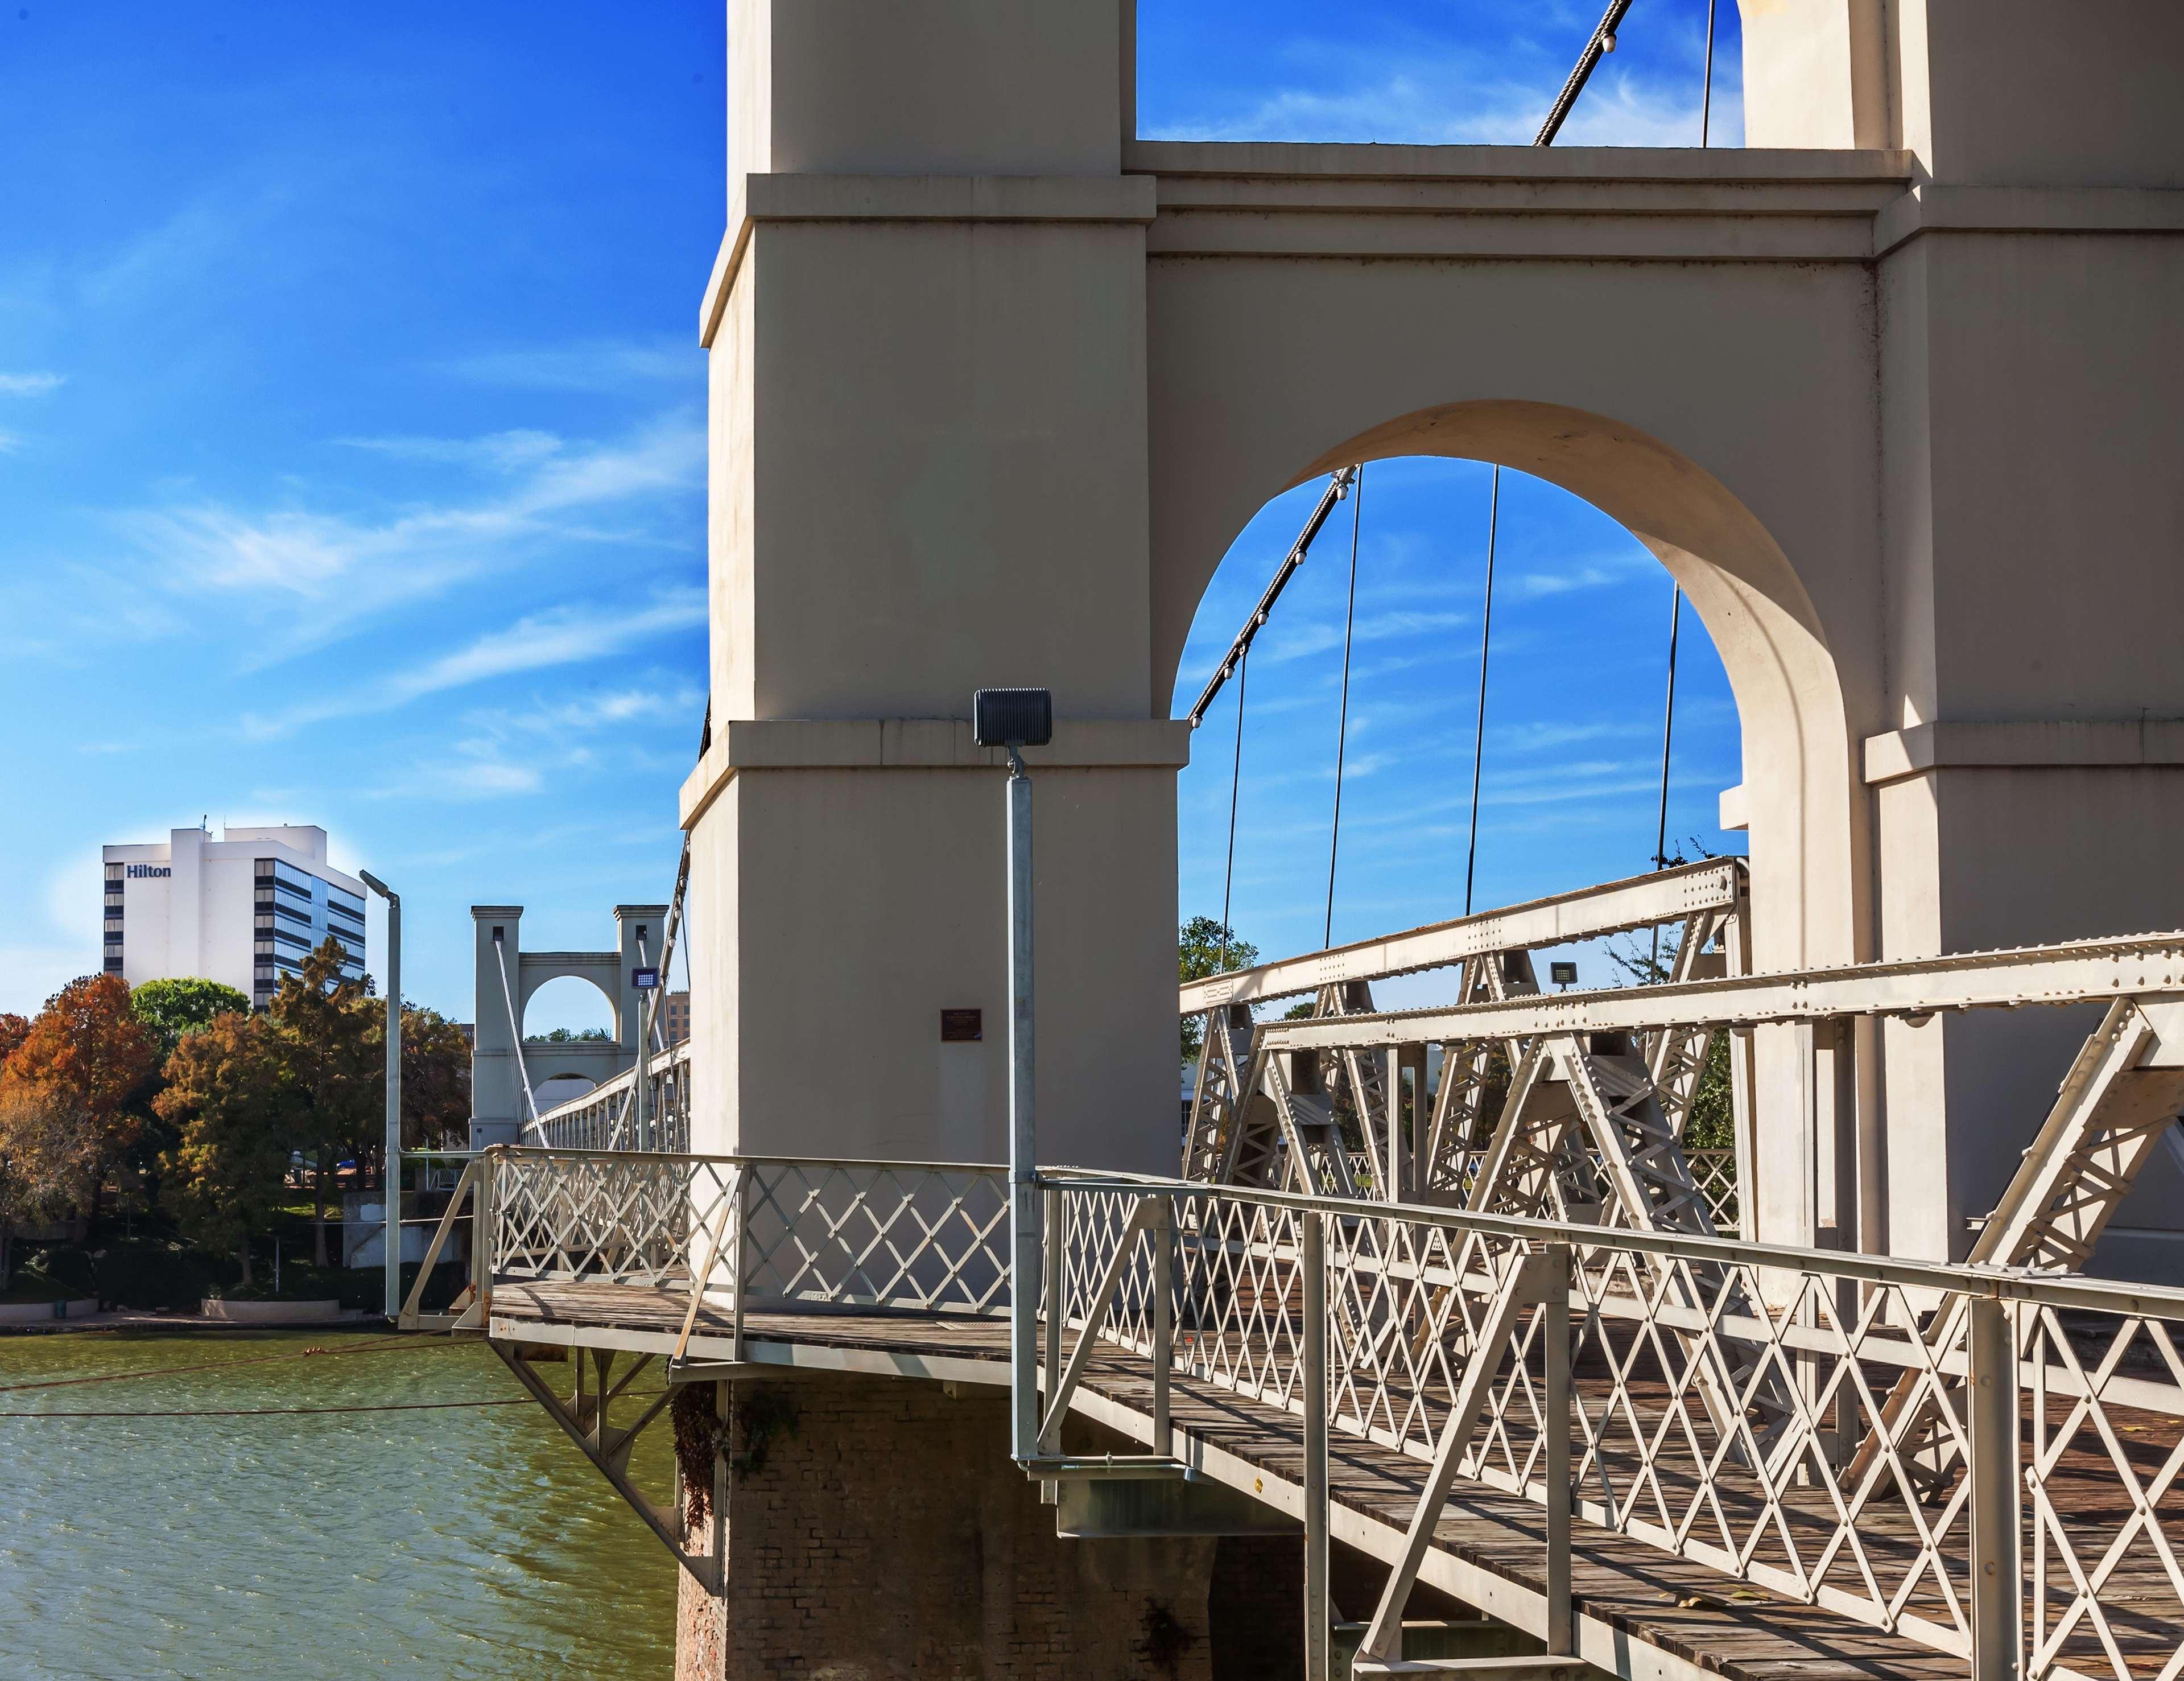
[392, 1196]
[1015, 718]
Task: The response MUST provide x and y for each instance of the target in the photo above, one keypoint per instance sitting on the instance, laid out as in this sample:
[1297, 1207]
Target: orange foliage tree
[79, 1064]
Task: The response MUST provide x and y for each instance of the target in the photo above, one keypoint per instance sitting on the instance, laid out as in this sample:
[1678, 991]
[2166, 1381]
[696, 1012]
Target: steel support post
[1024, 1138]
[1163, 1321]
[391, 1175]
[1554, 1328]
[1057, 1318]
[736, 1256]
[1318, 1619]
[1991, 1422]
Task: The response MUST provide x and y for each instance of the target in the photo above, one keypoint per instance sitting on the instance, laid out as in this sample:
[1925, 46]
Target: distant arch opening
[569, 1006]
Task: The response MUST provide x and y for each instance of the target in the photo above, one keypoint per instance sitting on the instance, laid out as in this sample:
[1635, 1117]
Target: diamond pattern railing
[1830, 1427]
[1806, 1428]
[925, 1238]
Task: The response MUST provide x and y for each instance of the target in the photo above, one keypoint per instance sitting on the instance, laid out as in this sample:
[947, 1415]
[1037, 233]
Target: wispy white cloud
[612, 364]
[1410, 86]
[332, 572]
[1298, 643]
[573, 634]
[502, 451]
[35, 384]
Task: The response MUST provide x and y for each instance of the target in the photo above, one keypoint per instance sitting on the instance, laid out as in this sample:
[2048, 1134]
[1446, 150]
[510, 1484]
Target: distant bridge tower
[507, 976]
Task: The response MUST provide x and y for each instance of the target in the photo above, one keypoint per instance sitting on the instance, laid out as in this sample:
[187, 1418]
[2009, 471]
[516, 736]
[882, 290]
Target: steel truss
[1262, 1118]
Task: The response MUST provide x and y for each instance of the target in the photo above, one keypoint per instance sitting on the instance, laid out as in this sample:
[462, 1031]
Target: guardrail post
[482, 1239]
[1318, 1621]
[1996, 1585]
[1057, 1316]
[1554, 1326]
[1163, 1283]
[743, 1172]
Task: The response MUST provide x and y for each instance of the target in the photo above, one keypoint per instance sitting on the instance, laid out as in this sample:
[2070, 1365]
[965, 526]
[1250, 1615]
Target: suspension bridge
[1432, 1338]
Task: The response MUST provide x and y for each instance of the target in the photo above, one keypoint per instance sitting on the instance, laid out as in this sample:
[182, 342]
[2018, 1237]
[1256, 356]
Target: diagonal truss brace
[1539, 1279]
[2118, 1101]
[584, 1418]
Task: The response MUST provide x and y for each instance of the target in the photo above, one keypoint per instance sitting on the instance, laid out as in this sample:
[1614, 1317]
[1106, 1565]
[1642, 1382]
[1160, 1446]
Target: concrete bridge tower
[994, 384]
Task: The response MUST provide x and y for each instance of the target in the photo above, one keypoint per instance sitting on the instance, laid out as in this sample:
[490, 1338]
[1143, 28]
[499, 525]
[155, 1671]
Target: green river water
[474, 1543]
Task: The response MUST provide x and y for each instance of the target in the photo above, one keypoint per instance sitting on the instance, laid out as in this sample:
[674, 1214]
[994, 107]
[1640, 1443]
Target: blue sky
[351, 443]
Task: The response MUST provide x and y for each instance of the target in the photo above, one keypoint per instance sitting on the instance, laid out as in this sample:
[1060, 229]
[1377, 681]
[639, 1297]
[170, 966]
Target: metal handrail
[2001, 1283]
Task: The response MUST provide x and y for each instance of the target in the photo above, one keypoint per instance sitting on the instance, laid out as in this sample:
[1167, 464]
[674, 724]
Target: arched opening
[568, 1008]
[1797, 762]
[1573, 701]
[561, 1089]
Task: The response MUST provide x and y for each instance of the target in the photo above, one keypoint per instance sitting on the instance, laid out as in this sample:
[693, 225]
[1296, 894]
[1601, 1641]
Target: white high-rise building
[244, 909]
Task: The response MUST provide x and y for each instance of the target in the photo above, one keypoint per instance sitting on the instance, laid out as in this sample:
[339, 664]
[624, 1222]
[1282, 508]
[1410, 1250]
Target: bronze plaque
[961, 1026]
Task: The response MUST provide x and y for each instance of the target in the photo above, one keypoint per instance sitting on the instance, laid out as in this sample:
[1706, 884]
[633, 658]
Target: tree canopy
[171, 1008]
[1206, 946]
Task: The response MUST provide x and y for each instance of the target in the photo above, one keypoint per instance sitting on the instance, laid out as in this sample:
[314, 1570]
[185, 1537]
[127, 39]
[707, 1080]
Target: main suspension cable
[1602, 41]
[1337, 488]
[1486, 640]
[1668, 734]
[1342, 722]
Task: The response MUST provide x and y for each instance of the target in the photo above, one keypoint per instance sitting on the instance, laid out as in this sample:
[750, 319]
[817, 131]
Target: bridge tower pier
[876, 1527]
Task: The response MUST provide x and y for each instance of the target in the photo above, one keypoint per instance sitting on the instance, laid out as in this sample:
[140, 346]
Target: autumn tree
[77, 1066]
[321, 1024]
[1206, 946]
[435, 1074]
[43, 1165]
[233, 1103]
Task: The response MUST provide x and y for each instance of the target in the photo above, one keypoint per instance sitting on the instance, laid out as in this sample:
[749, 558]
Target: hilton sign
[151, 869]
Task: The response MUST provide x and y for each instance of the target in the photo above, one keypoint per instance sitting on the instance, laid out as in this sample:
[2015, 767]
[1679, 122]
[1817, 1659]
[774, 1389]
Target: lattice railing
[1967, 1457]
[926, 1236]
[1805, 1422]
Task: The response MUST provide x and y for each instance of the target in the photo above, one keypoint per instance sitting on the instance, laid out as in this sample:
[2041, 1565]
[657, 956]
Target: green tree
[321, 1022]
[1206, 946]
[233, 1103]
[171, 1008]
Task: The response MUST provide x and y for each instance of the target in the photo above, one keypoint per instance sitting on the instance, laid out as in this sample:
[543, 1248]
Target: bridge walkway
[1641, 1612]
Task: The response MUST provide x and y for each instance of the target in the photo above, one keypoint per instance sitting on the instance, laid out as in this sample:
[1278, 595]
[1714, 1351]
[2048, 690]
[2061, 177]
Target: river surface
[472, 1541]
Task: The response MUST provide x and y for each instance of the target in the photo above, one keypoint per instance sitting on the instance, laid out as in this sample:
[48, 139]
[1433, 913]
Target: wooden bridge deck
[1643, 1611]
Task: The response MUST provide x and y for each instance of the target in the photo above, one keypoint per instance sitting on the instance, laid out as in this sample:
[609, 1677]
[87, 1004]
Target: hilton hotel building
[244, 909]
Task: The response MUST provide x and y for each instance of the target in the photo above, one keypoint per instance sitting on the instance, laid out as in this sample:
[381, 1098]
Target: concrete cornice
[920, 744]
[1903, 753]
[1597, 164]
[914, 198]
[1928, 208]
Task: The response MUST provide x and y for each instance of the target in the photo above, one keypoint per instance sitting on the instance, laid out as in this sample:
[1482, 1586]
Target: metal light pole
[1016, 718]
[392, 1176]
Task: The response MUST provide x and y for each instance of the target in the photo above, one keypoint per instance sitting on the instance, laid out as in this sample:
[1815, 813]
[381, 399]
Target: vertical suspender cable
[1668, 730]
[1485, 636]
[1342, 727]
[1706, 86]
[1236, 781]
[1668, 735]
